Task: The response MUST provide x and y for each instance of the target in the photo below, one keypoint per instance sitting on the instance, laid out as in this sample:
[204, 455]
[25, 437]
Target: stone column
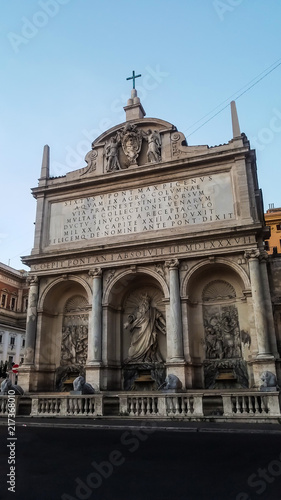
[258, 304]
[95, 327]
[268, 303]
[31, 322]
[175, 326]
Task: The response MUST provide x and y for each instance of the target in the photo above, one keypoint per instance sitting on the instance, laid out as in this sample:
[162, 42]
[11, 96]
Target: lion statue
[172, 382]
[8, 386]
[79, 384]
[269, 381]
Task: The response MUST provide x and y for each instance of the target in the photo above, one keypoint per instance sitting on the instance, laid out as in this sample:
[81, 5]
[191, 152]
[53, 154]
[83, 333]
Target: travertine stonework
[149, 262]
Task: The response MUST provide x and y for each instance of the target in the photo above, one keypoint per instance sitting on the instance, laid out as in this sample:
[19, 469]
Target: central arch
[121, 299]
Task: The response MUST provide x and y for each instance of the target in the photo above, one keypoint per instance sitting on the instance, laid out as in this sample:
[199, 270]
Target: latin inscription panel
[187, 202]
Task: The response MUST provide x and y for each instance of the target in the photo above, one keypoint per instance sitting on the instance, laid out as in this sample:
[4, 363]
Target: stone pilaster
[268, 304]
[264, 360]
[26, 371]
[258, 303]
[94, 359]
[175, 327]
[19, 301]
[95, 330]
[31, 321]
[175, 357]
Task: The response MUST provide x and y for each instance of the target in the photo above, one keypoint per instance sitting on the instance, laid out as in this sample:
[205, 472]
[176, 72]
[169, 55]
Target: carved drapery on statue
[154, 146]
[223, 365]
[74, 346]
[145, 322]
[111, 154]
[90, 159]
[144, 340]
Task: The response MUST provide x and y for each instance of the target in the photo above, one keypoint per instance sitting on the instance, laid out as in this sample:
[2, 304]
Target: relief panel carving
[74, 347]
[224, 367]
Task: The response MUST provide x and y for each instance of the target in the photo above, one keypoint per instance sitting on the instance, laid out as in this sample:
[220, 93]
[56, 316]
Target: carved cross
[133, 78]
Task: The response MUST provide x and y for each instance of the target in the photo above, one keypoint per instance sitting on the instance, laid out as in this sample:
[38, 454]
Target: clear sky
[64, 66]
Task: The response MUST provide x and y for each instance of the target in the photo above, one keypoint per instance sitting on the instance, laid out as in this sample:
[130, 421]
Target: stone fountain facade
[149, 261]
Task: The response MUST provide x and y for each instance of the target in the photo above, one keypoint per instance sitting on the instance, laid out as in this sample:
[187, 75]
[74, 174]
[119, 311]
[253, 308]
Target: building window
[278, 227]
[266, 245]
[13, 304]
[12, 340]
[23, 343]
[3, 300]
[1, 339]
[21, 360]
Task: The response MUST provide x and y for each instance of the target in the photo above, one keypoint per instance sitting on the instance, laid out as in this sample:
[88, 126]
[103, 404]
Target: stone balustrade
[184, 405]
[4, 404]
[140, 405]
[164, 405]
[250, 405]
[67, 406]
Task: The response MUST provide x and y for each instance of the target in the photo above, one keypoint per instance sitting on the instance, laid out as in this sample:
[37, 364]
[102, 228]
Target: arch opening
[62, 343]
[219, 321]
[137, 332]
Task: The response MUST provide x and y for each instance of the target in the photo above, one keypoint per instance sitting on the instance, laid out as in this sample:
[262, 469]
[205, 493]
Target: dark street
[143, 464]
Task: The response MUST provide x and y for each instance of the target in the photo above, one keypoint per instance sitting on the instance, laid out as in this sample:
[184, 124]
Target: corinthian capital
[263, 256]
[32, 280]
[172, 264]
[252, 253]
[96, 272]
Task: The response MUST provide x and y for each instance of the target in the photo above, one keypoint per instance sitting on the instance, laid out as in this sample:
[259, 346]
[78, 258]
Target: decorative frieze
[182, 250]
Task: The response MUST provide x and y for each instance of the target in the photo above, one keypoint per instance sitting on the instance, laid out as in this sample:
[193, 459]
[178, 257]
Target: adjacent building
[13, 307]
[273, 220]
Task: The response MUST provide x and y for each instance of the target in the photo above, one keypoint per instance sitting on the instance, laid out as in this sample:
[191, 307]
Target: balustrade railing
[249, 404]
[164, 405]
[184, 405]
[67, 406]
[235, 405]
[8, 404]
[136, 405]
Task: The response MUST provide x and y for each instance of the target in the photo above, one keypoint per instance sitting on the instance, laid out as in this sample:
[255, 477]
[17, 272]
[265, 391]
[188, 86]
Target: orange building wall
[273, 220]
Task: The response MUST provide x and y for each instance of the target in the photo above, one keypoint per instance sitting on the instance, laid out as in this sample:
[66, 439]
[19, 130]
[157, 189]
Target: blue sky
[64, 67]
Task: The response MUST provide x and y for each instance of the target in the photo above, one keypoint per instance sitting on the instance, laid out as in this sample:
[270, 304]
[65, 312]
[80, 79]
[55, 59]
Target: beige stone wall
[168, 228]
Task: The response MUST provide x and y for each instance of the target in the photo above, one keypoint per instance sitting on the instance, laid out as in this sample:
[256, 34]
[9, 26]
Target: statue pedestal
[178, 368]
[93, 374]
[26, 378]
[260, 365]
[143, 376]
[227, 373]
[144, 382]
